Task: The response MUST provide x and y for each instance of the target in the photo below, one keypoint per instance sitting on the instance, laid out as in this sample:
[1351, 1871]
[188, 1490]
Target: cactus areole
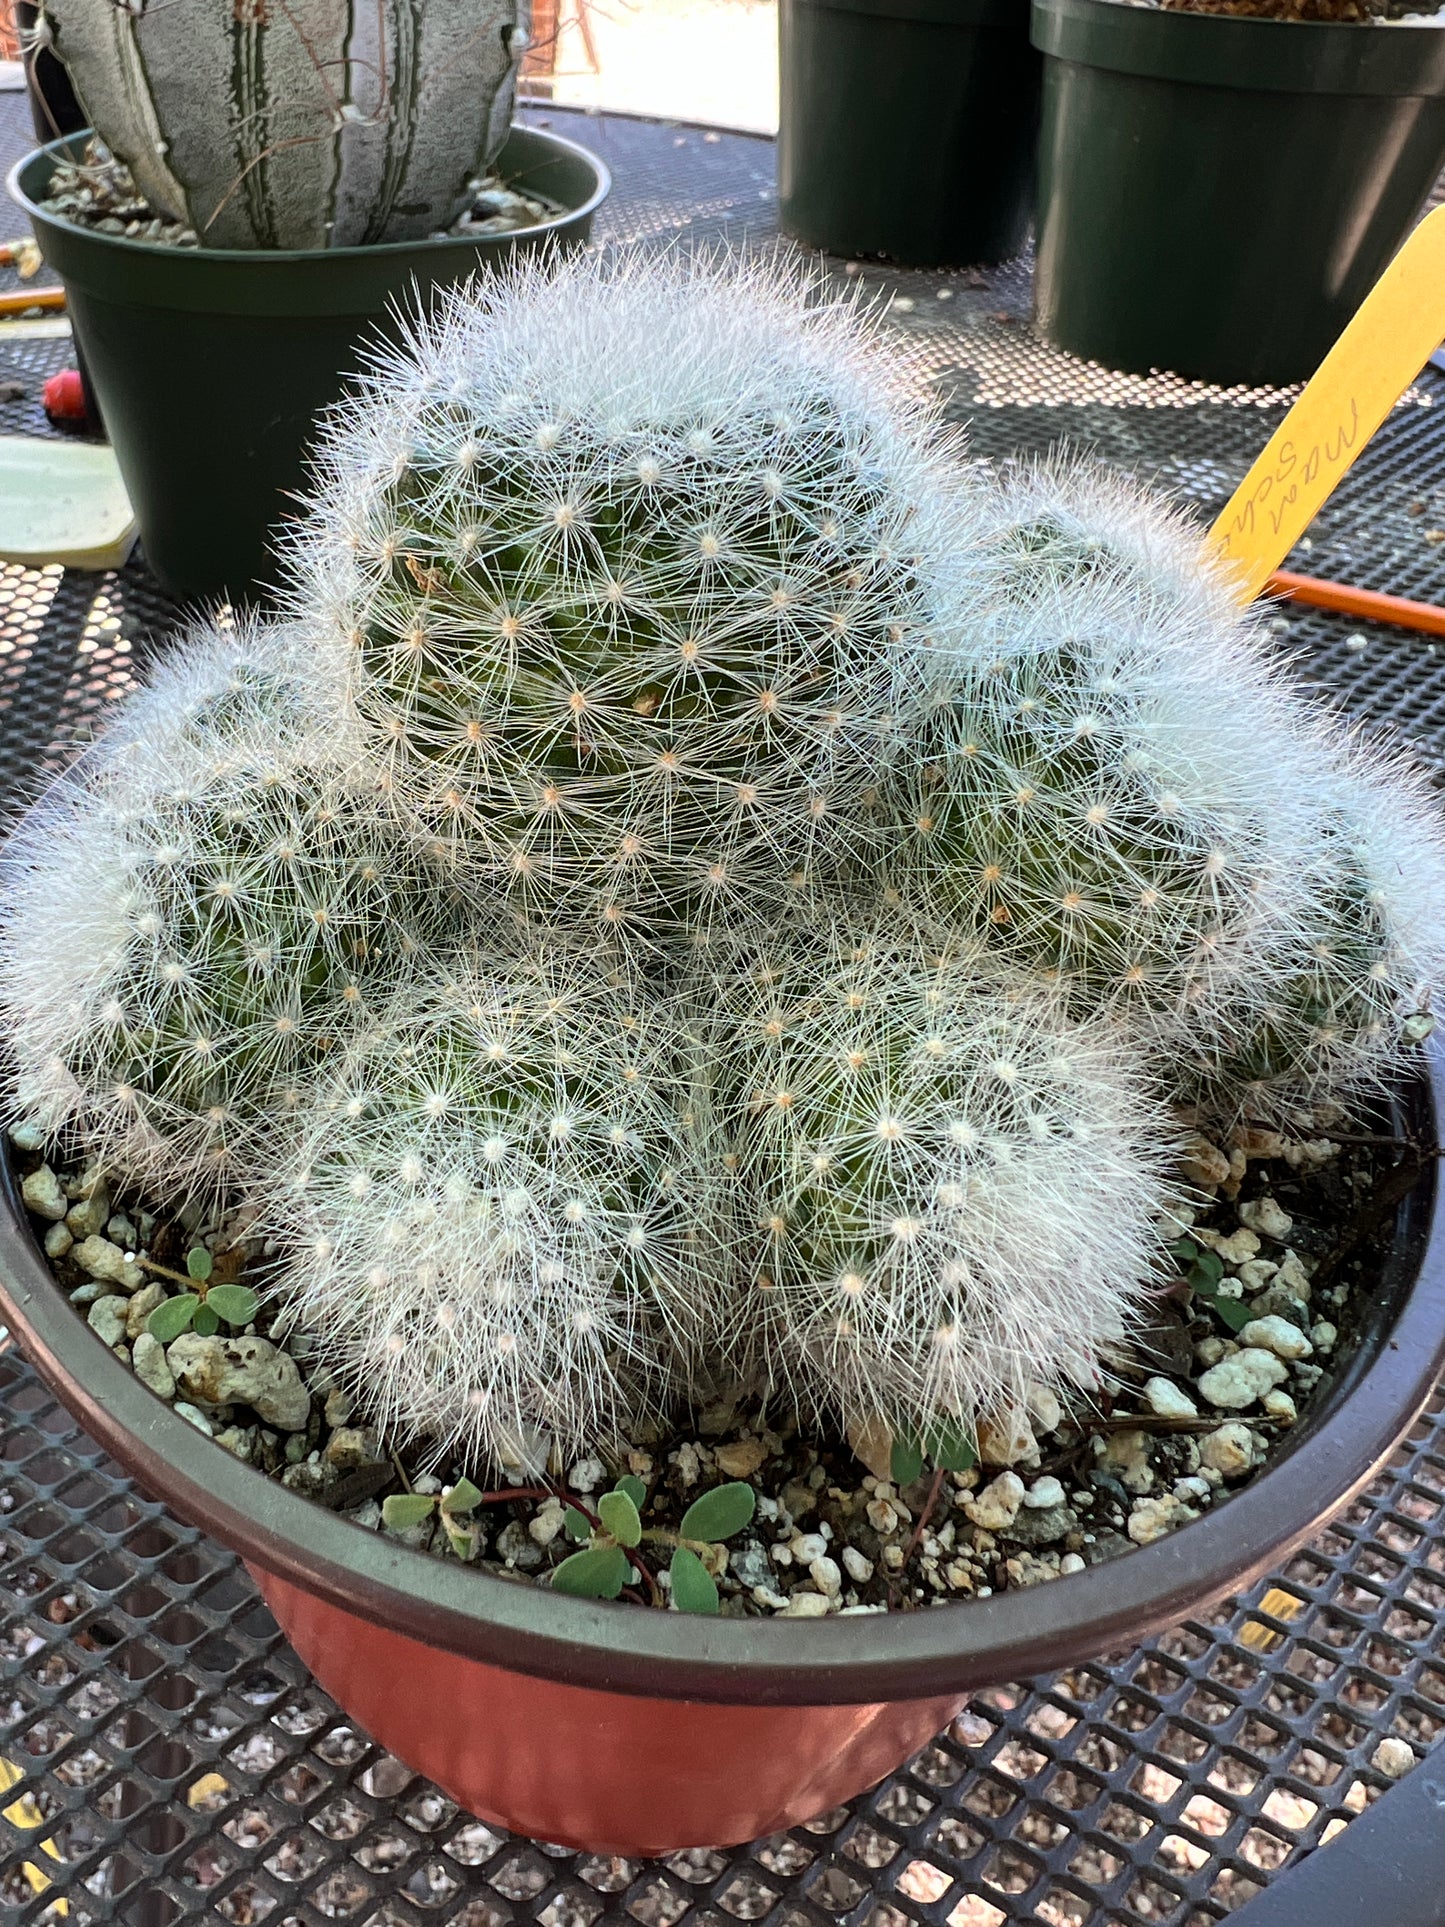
[309, 125]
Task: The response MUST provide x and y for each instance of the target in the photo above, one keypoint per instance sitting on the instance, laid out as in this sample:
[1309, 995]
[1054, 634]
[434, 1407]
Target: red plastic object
[64, 396]
[605, 1772]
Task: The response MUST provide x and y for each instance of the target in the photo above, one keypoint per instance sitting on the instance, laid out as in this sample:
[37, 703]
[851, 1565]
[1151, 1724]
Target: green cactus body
[1354, 997]
[309, 125]
[196, 917]
[624, 639]
[499, 1205]
[945, 1185]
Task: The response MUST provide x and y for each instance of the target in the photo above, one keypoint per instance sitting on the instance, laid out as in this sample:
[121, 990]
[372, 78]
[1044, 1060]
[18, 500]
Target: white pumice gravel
[1165, 1399]
[1242, 1379]
[1393, 1757]
[1057, 1490]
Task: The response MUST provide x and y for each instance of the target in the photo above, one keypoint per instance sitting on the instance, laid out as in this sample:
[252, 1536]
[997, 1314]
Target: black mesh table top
[165, 1758]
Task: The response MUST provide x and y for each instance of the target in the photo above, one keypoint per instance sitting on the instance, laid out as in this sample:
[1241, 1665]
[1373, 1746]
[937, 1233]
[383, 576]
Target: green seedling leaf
[198, 1263]
[1208, 1267]
[620, 1517]
[576, 1525]
[693, 1590]
[598, 1573]
[1234, 1312]
[906, 1461]
[720, 1513]
[462, 1497]
[404, 1509]
[205, 1322]
[172, 1316]
[633, 1487]
[235, 1304]
[1185, 1250]
[952, 1451]
[462, 1540]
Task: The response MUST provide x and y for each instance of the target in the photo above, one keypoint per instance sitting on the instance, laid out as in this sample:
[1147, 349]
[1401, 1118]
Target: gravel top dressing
[1276, 1240]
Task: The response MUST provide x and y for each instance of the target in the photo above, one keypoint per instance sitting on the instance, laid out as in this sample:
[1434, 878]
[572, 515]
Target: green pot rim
[1257, 56]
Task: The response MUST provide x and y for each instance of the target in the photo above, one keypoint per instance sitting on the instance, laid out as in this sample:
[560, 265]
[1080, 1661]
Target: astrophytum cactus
[300, 125]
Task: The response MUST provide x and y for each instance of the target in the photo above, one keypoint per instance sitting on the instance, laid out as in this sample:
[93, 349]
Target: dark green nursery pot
[1218, 195]
[211, 365]
[907, 128]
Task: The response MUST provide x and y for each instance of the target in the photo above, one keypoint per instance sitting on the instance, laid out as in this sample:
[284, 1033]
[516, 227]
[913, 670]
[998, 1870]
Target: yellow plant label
[1393, 333]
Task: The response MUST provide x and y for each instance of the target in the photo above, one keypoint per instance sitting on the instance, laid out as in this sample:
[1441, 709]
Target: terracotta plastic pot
[211, 365]
[624, 1730]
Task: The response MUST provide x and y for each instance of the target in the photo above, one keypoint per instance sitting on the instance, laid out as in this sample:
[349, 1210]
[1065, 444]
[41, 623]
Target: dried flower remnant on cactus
[617, 553]
[948, 1186]
[499, 1208]
[194, 915]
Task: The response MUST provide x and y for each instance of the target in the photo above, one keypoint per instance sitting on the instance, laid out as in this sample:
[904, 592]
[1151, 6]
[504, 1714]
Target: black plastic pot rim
[856, 1660]
[332, 262]
[1229, 50]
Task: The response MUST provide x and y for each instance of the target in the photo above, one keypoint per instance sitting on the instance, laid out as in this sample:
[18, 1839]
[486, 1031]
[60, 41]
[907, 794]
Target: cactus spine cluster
[731, 887]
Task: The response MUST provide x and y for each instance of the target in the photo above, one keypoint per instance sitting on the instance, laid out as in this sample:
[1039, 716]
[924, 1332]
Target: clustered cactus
[705, 888]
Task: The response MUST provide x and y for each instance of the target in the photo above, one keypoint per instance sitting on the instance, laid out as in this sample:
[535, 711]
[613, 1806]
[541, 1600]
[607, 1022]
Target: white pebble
[1323, 1336]
[1267, 1216]
[543, 1529]
[43, 1195]
[195, 1417]
[805, 1605]
[1256, 1274]
[997, 1506]
[1228, 1451]
[1071, 1562]
[1242, 1379]
[1277, 1335]
[1393, 1757]
[104, 1260]
[1281, 1406]
[856, 1566]
[1152, 1518]
[1166, 1400]
[826, 1576]
[807, 1546]
[58, 1240]
[1043, 1493]
[586, 1475]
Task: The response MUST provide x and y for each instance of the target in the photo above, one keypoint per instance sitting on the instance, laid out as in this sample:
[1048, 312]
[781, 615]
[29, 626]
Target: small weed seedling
[204, 1308]
[451, 1505]
[1203, 1271]
[604, 1565]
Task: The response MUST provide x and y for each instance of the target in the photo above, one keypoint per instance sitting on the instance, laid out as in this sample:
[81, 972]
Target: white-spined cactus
[499, 1211]
[1105, 778]
[617, 552]
[195, 914]
[945, 1186]
[305, 125]
[1347, 1006]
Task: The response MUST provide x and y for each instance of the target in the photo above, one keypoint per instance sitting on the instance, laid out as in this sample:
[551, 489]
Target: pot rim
[281, 257]
[1244, 53]
[619, 1647]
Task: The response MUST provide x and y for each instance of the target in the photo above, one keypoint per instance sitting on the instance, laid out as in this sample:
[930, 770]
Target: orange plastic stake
[1391, 336]
[1368, 604]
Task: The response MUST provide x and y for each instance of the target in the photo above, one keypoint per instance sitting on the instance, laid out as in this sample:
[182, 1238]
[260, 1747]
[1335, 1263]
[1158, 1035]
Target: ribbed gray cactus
[297, 123]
